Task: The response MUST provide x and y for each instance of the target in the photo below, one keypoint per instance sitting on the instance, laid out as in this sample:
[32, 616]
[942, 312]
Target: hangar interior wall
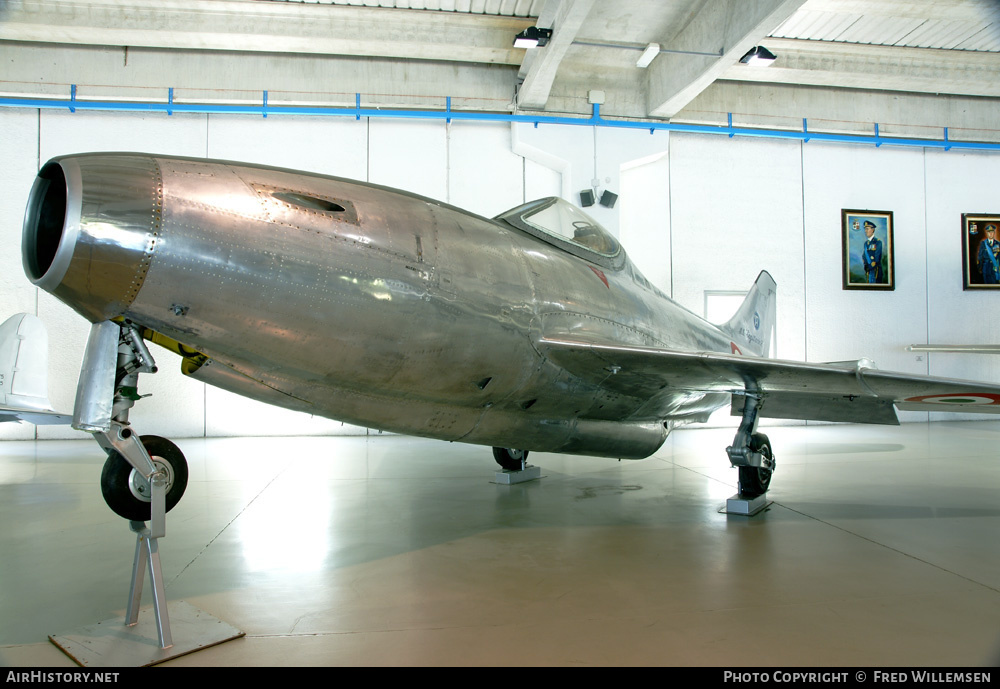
[697, 213]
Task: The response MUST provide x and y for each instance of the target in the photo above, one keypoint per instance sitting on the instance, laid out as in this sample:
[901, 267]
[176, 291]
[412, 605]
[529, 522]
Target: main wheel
[129, 494]
[511, 460]
[755, 481]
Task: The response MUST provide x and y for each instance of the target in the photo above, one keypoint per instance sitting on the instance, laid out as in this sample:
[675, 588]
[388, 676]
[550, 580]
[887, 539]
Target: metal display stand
[529, 472]
[114, 644]
[748, 507]
[147, 552]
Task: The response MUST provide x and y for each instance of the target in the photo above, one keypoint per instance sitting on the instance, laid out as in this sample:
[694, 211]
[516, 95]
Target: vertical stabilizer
[24, 371]
[751, 328]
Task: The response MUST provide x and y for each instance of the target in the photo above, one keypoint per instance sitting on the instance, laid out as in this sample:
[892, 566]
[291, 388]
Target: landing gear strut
[751, 453]
[116, 355]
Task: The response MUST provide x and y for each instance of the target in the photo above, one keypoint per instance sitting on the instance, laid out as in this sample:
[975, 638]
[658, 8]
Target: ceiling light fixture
[532, 37]
[595, 43]
[759, 56]
[651, 51]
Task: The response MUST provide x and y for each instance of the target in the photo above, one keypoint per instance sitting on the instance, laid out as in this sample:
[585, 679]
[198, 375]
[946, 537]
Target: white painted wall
[484, 175]
[644, 213]
[963, 183]
[736, 209]
[19, 153]
[850, 324]
[698, 213]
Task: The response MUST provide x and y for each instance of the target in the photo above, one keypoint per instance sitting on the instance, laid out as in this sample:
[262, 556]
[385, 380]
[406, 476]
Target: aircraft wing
[853, 391]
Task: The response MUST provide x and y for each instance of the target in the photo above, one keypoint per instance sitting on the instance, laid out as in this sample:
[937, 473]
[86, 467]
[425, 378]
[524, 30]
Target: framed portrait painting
[980, 251]
[866, 241]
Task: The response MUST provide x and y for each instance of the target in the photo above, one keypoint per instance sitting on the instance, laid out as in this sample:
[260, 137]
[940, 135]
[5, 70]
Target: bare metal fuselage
[358, 302]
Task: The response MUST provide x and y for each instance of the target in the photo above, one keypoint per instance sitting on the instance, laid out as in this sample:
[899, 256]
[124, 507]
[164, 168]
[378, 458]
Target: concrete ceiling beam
[731, 27]
[237, 25]
[921, 70]
[567, 18]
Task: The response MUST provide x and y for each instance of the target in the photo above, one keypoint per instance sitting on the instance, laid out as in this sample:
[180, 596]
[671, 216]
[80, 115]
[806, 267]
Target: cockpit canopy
[560, 223]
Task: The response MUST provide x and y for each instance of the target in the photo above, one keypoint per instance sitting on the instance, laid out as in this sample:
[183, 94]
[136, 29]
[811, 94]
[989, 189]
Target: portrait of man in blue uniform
[988, 256]
[871, 256]
[981, 246]
[867, 249]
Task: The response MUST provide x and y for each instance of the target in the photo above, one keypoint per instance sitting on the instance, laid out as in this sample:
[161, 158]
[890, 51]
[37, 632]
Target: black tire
[123, 487]
[755, 481]
[511, 460]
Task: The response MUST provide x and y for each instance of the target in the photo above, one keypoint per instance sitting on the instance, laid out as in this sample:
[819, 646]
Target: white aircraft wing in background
[968, 349]
[24, 360]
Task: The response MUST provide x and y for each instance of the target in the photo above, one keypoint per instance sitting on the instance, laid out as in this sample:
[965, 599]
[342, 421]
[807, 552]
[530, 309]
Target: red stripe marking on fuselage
[601, 275]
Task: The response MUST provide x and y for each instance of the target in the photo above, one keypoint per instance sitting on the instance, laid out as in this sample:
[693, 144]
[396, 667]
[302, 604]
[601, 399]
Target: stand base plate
[113, 644]
[748, 507]
[528, 473]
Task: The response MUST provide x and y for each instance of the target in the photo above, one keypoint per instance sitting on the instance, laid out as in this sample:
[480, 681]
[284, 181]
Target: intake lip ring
[51, 225]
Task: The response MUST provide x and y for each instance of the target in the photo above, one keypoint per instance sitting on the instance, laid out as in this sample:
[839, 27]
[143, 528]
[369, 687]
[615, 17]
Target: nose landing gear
[116, 355]
[143, 478]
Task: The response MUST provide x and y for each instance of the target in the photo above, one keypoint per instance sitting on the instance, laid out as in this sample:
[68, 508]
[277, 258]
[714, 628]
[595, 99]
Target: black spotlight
[533, 37]
[587, 198]
[608, 199]
[758, 56]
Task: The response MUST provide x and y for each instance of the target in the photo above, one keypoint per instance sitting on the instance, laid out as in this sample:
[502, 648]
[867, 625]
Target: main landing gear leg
[142, 480]
[751, 453]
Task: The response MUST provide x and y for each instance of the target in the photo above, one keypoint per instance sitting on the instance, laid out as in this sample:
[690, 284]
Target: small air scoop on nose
[44, 220]
[309, 202]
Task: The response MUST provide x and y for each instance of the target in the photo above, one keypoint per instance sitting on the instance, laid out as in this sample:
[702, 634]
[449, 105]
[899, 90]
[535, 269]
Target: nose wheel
[128, 493]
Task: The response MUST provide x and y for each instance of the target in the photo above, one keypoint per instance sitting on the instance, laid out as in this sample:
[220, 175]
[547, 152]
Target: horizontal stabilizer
[966, 349]
[39, 418]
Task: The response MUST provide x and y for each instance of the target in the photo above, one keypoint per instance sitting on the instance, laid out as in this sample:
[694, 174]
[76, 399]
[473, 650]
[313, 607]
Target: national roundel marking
[978, 398]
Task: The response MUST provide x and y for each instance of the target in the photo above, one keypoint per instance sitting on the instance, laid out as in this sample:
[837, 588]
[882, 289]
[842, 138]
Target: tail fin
[750, 329]
[24, 371]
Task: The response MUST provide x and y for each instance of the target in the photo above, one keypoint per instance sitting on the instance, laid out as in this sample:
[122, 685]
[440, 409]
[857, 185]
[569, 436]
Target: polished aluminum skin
[388, 310]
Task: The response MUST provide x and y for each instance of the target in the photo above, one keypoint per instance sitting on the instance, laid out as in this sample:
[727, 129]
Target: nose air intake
[44, 221]
[90, 230]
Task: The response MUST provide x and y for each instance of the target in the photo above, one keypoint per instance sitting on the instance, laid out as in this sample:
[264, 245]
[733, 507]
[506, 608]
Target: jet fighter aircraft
[530, 331]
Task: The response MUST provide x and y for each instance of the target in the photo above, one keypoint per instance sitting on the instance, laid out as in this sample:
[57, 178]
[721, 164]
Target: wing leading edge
[845, 391]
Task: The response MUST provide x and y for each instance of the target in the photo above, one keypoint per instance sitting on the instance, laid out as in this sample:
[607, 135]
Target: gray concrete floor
[880, 548]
